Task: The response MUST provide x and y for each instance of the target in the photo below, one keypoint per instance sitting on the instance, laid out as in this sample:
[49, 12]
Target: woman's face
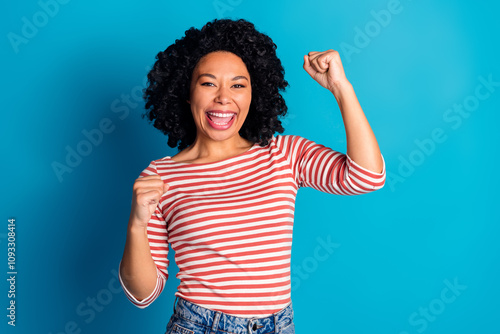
[220, 96]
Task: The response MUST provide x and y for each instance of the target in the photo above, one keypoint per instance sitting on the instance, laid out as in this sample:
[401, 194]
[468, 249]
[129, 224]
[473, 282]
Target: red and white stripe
[230, 222]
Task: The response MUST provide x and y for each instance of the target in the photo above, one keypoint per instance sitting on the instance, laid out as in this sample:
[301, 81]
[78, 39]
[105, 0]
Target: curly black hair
[169, 81]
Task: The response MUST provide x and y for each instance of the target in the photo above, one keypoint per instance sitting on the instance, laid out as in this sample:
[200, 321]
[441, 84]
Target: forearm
[362, 146]
[137, 269]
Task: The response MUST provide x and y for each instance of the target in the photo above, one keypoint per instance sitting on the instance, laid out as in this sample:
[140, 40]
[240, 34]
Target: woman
[225, 202]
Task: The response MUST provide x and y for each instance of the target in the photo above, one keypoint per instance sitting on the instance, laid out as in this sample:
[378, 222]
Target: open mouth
[220, 118]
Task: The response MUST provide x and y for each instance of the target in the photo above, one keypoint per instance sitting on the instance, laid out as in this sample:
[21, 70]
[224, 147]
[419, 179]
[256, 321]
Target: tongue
[220, 119]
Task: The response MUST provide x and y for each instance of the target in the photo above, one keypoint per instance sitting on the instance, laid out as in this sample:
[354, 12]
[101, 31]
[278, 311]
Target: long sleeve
[319, 167]
[158, 244]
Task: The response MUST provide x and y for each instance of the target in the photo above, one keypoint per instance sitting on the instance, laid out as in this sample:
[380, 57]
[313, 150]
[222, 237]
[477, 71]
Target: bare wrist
[137, 228]
[341, 89]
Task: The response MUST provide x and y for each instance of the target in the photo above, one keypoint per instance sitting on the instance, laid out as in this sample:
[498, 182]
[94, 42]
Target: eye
[207, 84]
[239, 86]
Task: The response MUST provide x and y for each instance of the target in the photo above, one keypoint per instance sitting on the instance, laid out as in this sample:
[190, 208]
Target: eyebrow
[213, 76]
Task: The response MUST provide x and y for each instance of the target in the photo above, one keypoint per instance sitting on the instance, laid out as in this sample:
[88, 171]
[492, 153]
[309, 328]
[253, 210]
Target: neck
[208, 150]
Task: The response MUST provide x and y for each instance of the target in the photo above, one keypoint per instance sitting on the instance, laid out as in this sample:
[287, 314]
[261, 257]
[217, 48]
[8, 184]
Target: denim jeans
[189, 318]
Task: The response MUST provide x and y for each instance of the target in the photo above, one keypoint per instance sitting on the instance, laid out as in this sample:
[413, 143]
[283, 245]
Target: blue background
[397, 250]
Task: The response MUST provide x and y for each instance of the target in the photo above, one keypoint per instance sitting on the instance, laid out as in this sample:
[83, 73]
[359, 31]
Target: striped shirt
[230, 222]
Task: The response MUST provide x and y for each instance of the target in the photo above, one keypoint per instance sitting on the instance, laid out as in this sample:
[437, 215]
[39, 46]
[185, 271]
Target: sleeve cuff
[365, 177]
[160, 282]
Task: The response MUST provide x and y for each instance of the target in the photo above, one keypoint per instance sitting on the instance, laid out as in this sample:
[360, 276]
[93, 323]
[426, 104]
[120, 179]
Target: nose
[223, 95]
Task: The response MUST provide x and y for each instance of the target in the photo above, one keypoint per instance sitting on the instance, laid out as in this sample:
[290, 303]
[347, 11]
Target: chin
[223, 136]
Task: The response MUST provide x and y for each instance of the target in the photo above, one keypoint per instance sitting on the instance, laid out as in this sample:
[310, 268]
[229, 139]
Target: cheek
[197, 96]
[197, 102]
[246, 100]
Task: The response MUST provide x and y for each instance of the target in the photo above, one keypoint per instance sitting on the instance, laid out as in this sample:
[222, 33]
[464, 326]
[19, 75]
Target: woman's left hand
[326, 68]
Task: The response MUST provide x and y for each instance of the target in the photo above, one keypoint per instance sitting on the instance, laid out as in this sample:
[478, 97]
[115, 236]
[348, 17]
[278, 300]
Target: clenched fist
[147, 193]
[326, 68]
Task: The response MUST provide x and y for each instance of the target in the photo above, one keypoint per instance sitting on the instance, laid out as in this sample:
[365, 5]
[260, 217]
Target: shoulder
[160, 164]
[290, 145]
[287, 140]
[183, 156]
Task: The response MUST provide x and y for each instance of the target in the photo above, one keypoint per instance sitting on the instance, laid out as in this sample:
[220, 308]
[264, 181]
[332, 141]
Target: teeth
[218, 114]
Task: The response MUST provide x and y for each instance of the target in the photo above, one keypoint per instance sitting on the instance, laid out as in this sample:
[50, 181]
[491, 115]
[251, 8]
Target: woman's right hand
[147, 192]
